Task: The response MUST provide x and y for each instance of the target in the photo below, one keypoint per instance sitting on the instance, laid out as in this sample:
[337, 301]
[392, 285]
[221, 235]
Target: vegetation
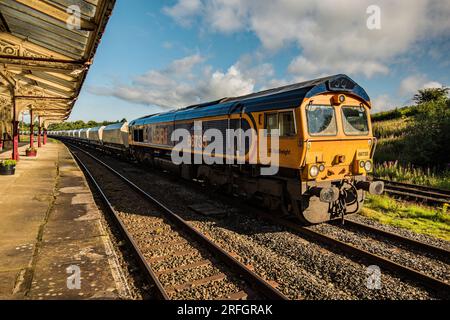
[429, 221]
[395, 114]
[415, 175]
[416, 136]
[80, 125]
[7, 163]
[422, 97]
[430, 95]
[395, 128]
[413, 147]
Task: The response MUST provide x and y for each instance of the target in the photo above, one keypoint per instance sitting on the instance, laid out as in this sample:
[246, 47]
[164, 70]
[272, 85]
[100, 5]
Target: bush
[427, 139]
[8, 163]
[389, 150]
[419, 139]
[395, 114]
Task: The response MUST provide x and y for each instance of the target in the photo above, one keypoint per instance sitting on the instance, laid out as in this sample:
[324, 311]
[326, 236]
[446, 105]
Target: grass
[429, 221]
[390, 135]
[391, 128]
[415, 175]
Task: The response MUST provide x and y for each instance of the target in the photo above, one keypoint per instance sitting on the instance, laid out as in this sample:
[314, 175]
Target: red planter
[31, 153]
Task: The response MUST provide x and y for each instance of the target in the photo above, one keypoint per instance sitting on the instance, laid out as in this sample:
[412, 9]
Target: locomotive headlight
[362, 164]
[368, 166]
[338, 99]
[322, 168]
[314, 171]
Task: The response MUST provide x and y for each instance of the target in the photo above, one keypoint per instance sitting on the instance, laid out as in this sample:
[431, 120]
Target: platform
[52, 235]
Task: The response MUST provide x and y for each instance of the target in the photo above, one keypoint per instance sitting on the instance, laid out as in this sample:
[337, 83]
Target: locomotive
[325, 146]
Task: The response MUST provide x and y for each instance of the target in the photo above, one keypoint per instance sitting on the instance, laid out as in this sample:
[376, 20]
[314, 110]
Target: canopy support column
[15, 124]
[39, 132]
[31, 129]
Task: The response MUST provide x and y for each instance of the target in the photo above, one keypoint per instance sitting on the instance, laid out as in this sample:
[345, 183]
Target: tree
[431, 94]
[427, 140]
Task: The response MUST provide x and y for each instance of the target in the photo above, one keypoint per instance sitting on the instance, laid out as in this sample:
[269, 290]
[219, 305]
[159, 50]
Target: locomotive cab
[338, 147]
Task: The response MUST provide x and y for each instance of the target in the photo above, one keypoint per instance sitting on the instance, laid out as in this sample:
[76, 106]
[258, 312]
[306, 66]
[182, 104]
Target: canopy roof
[46, 48]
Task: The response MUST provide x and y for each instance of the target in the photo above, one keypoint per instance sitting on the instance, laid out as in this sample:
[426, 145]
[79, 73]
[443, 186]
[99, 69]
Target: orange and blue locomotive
[325, 146]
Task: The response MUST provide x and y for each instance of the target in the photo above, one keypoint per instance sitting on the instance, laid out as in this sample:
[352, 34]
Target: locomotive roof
[279, 98]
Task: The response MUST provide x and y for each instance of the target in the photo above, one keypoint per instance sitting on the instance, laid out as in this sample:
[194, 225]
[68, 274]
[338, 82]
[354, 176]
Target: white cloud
[183, 11]
[432, 84]
[383, 103]
[187, 81]
[410, 85]
[331, 35]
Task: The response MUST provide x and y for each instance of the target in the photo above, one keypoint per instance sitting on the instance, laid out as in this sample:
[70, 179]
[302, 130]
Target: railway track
[353, 250]
[418, 245]
[178, 260]
[428, 195]
[404, 272]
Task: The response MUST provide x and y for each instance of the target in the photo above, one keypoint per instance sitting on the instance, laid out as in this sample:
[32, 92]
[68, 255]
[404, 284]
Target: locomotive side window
[283, 121]
[355, 121]
[321, 120]
[271, 122]
[287, 124]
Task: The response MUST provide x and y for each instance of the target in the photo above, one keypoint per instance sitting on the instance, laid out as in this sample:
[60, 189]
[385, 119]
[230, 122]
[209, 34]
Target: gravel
[208, 291]
[302, 268]
[390, 250]
[402, 232]
[179, 277]
[148, 229]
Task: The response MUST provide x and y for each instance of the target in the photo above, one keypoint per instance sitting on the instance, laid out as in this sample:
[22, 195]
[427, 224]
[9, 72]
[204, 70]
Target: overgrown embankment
[414, 142]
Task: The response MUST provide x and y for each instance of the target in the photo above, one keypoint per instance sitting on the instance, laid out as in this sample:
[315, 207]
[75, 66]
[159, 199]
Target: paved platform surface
[53, 244]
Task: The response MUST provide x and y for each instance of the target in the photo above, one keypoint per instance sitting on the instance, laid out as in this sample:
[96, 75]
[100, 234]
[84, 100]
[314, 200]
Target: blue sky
[158, 55]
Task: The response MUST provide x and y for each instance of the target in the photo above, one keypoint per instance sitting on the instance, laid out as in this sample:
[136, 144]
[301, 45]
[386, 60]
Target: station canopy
[46, 49]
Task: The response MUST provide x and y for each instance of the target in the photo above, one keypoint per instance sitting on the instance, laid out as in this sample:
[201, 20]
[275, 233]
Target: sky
[160, 55]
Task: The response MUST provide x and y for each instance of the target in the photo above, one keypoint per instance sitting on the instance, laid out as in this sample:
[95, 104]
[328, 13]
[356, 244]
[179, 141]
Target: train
[325, 146]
